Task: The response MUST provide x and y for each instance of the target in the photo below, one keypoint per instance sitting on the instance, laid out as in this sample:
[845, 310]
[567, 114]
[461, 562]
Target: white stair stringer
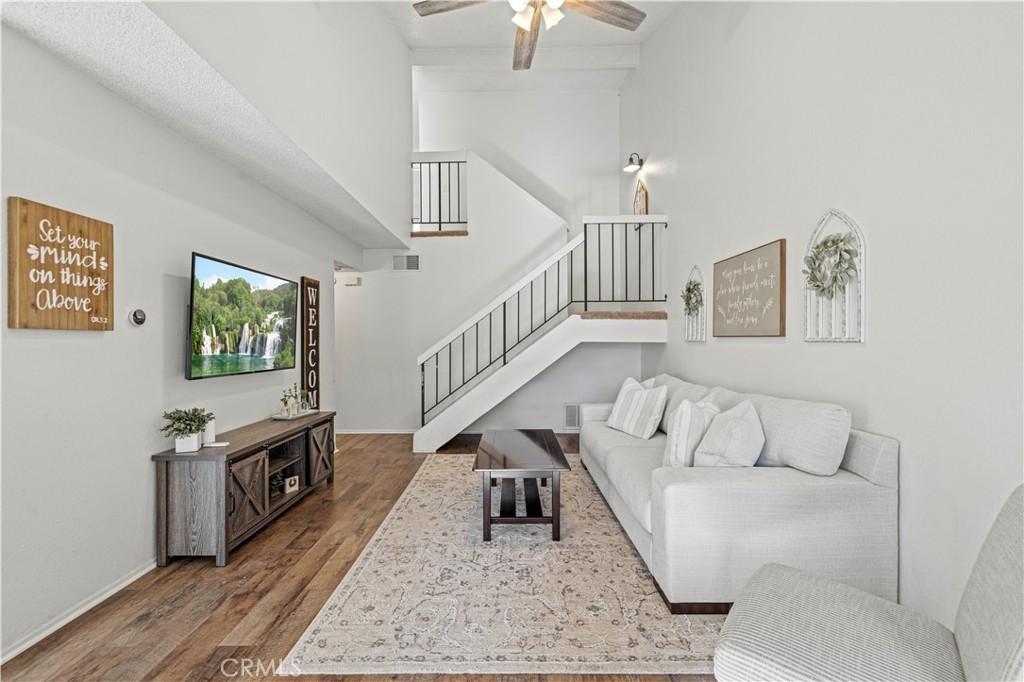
[529, 363]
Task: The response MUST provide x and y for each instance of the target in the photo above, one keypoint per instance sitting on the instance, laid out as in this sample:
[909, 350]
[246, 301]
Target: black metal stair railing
[439, 195]
[609, 263]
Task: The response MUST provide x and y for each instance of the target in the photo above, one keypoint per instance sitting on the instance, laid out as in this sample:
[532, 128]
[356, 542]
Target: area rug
[427, 595]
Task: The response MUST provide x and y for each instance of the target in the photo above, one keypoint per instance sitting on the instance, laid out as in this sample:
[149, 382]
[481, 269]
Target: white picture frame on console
[843, 317]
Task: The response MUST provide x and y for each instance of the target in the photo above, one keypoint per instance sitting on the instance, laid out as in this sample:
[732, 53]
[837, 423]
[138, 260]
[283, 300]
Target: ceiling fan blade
[614, 12]
[526, 44]
[428, 7]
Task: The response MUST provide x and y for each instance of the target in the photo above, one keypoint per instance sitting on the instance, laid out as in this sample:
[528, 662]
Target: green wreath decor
[693, 297]
[831, 265]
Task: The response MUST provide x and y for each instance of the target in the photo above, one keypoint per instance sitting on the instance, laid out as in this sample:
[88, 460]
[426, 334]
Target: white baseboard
[75, 611]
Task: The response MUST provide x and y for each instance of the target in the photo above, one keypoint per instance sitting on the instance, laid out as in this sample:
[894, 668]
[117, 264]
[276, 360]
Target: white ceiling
[131, 51]
[490, 25]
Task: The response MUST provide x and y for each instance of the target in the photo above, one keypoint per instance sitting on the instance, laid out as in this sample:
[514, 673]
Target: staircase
[603, 286]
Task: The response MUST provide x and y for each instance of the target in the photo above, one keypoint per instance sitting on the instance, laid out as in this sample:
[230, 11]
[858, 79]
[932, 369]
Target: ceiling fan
[530, 12]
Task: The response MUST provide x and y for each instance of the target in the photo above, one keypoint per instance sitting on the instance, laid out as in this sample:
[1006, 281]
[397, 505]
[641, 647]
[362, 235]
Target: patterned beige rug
[427, 595]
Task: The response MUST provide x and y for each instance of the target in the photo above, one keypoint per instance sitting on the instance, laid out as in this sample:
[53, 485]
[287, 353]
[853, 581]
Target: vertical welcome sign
[60, 269]
[311, 339]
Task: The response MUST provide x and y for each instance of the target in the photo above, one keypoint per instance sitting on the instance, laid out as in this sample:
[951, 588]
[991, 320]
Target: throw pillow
[808, 436]
[678, 391]
[686, 428]
[637, 410]
[734, 439]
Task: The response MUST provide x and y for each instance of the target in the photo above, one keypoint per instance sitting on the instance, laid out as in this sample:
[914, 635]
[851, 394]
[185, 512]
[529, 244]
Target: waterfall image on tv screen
[241, 321]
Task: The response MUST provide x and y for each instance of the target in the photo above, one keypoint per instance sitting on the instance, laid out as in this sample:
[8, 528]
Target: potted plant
[186, 426]
[210, 430]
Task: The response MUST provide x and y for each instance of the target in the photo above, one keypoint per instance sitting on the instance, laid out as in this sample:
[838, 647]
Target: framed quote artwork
[750, 292]
[60, 269]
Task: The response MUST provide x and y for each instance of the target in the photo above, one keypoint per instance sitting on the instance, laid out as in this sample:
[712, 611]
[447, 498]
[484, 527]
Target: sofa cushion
[597, 439]
[629, 471]
[638, 410]
[687, 427]
[734, 439]
[792, 625]
[678, 391]
[805, 435]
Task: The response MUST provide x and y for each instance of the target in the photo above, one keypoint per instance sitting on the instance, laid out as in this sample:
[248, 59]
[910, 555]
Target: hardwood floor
[194, 621]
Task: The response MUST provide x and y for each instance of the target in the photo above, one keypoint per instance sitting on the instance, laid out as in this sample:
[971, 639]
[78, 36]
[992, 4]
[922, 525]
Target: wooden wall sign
[310, 289]
[750, 292]
[60, 269]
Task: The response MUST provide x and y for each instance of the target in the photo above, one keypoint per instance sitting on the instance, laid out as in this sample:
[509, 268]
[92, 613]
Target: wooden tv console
[211, 501]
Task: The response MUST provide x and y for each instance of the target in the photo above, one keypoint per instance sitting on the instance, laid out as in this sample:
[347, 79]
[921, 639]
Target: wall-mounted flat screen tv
[241, 321]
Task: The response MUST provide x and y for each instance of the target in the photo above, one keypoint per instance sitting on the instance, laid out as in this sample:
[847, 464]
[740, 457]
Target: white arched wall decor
[695, 327]
[843, 318]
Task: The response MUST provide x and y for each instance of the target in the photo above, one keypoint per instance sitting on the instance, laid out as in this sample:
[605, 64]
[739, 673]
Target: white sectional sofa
[704, 531]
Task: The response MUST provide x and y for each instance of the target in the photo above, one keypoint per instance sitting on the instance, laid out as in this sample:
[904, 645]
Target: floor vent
[407, 262]
[572, 416]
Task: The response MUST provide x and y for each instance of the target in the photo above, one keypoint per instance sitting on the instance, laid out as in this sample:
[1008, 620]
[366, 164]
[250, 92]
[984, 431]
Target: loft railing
[438, 195]
[615, 260]
[622, 254]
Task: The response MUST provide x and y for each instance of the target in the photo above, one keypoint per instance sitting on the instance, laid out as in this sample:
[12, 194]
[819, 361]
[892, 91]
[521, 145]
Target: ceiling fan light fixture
[633, 163]
[518, 5]
[524, 18]
[554, 4]
[552, 15]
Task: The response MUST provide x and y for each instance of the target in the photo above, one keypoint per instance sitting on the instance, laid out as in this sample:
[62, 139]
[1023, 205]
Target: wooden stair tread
[440, 233]
[623, 315]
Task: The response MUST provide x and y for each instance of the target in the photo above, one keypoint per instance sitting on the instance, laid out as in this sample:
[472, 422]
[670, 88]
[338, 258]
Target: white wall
[82, 409]
[589, 373]
[756, 118]
[561, 147]
[386, 323]
[333, 76]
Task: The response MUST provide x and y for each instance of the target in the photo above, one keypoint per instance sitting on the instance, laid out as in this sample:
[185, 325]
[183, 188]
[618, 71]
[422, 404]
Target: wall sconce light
[633, 163]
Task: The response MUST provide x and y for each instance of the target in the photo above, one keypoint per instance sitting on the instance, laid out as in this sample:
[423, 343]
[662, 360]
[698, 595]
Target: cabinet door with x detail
[248, 493]
[321, 453]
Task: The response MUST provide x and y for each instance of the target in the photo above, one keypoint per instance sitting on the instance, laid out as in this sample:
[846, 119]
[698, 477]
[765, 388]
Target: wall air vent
[572, 416]
[406, 262]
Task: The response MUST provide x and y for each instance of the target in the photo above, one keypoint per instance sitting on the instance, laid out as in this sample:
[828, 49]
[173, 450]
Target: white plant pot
[210, 432]
[187, 443]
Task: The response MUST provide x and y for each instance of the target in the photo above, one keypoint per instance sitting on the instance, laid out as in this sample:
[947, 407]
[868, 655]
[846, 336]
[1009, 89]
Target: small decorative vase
[292, 409]
[188, 443]
[210, 432]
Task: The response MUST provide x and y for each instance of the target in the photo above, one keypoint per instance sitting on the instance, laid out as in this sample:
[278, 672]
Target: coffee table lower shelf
[531, 493]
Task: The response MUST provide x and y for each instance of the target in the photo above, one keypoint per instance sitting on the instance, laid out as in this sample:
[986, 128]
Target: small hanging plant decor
[831, 265]
[693, 297]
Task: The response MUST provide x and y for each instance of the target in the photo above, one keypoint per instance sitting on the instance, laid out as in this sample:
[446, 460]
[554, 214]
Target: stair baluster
[622, 229]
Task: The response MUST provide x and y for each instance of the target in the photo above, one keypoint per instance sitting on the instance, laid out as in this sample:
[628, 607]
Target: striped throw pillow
[637, 410]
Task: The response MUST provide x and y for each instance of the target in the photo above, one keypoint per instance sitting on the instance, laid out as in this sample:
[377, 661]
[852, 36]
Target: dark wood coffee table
[527, 454]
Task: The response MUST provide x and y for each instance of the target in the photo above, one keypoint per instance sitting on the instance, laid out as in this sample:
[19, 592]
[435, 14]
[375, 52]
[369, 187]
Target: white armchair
[792, 625]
